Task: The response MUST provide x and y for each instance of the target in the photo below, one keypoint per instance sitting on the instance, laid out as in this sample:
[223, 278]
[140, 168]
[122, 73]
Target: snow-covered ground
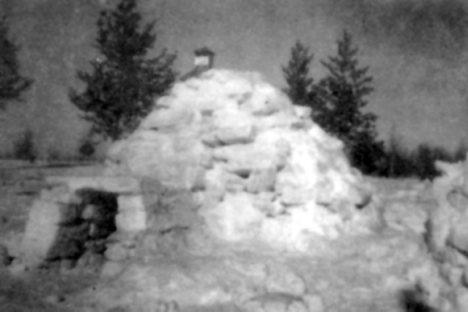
[366, 273]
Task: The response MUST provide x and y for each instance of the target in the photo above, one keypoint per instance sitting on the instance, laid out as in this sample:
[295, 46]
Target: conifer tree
[12, 83]
[123, 84]
[342, 95]
[296, 74]
[301, 88]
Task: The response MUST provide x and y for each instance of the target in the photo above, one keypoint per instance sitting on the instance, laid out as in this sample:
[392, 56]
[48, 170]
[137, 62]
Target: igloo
[256, 164]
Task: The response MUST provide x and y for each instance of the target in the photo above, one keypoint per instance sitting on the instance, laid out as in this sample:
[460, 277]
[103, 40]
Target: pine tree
[342, 97]
[124, 84]
[12, 84]
[24, 147]
[296, 74]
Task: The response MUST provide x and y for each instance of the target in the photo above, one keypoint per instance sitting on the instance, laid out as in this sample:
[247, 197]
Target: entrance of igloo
[89, 222]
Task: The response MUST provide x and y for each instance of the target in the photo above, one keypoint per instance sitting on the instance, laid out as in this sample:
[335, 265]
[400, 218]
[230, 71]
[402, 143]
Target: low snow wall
[77, 215]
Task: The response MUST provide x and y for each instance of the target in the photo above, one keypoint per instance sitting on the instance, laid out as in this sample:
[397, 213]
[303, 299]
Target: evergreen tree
[24, 147]
[342, 97]
[301, 88]
[123, 85]
[87, 146]
[12, 84]
[296, 73]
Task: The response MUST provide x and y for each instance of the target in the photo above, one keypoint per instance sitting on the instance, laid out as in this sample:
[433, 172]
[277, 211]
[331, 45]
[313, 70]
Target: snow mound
[256, 164]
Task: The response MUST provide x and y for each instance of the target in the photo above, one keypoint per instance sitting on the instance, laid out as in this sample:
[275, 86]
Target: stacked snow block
[77, 215]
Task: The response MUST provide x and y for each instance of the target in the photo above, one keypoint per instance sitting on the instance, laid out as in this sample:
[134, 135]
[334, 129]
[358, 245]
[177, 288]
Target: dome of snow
[256, 163]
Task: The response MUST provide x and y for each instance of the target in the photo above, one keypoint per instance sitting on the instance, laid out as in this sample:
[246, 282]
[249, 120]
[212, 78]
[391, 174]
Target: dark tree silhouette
[24, 147]
[296, 74]
[339, 109]
[124, 84]
[12, 84]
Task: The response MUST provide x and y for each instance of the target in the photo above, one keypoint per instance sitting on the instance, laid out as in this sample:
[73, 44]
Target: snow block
[233, 127]
[261, 180]
[101, 183]
[132, 213]
[41, 230]
[173, 159]
[235, 218]
[58, 193]
[165, 119]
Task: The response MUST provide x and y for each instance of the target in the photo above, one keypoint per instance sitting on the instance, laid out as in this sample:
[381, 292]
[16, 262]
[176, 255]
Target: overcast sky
[416, 50]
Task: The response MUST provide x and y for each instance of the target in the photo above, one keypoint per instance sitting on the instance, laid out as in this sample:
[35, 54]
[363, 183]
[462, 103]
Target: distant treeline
[418, 162]
[24, 147]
